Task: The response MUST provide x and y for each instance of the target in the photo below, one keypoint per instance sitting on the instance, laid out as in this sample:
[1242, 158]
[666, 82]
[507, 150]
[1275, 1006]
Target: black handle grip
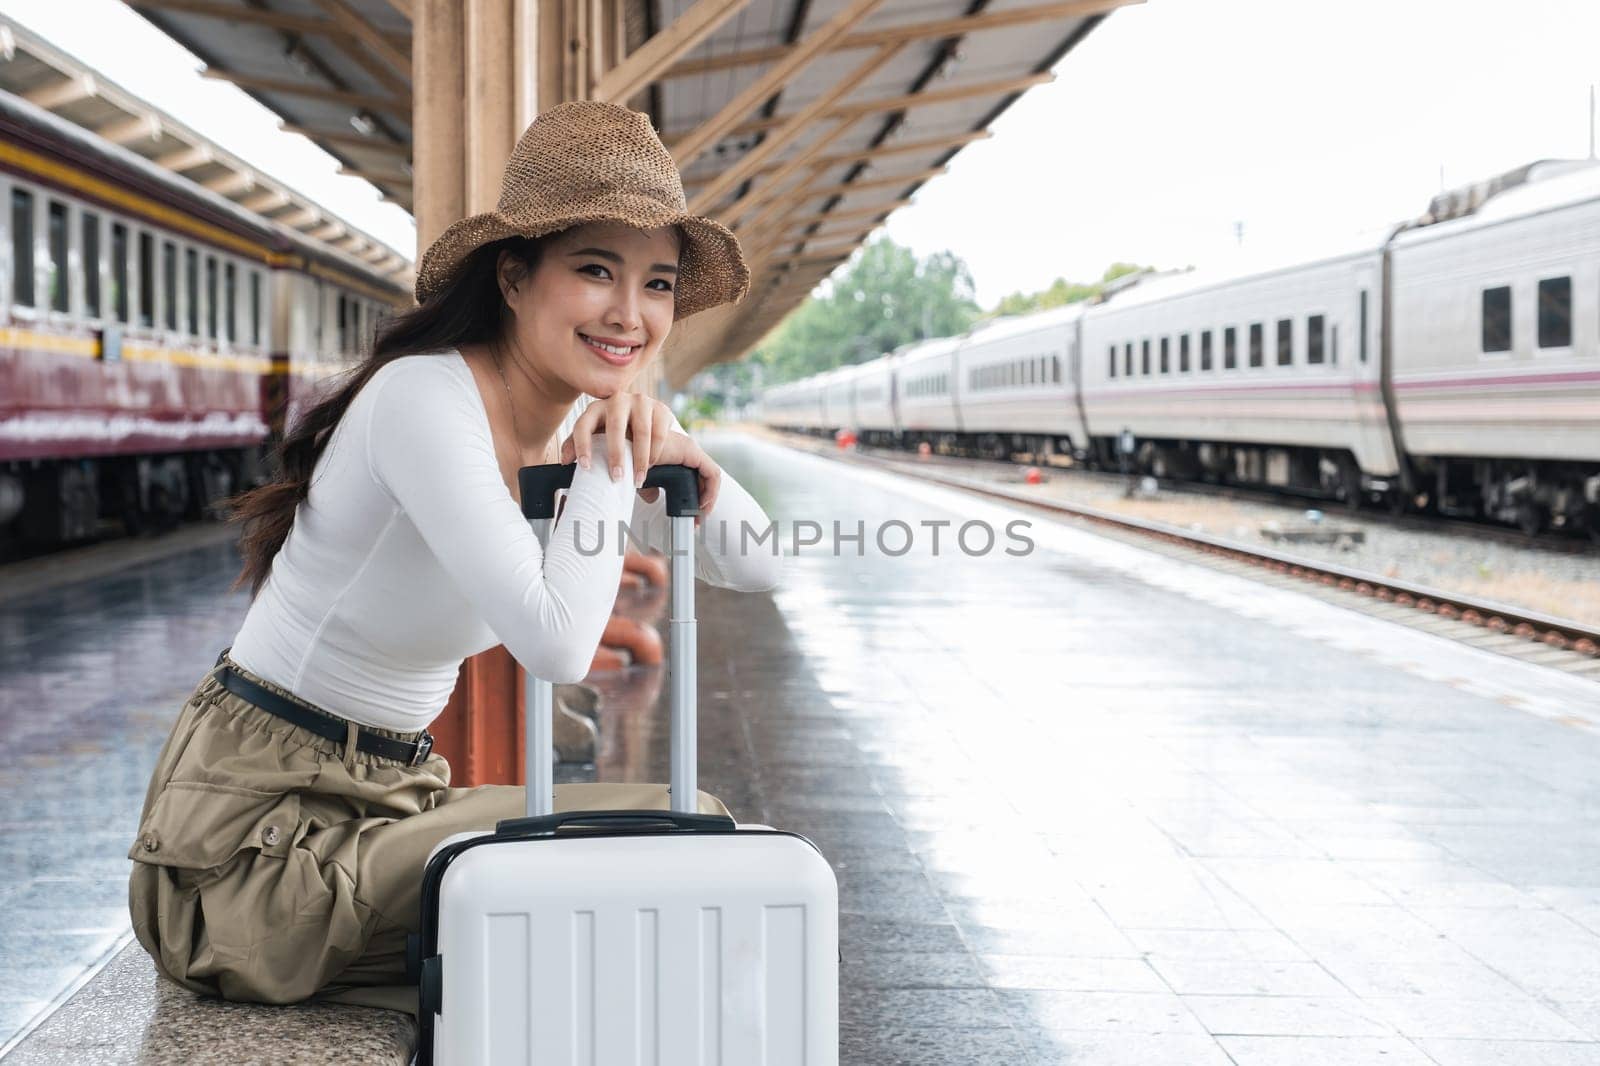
[538, 485]
[547, 824]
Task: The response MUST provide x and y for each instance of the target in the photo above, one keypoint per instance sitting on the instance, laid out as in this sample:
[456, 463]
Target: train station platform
[1087, 804]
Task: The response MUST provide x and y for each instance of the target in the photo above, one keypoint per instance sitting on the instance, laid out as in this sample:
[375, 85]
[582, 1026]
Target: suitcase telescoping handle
[545, 824]
[538, 485]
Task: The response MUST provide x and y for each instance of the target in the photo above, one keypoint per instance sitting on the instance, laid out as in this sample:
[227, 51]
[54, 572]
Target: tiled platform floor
[1088, 805]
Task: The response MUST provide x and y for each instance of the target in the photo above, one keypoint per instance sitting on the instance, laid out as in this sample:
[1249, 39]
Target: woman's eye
[607, 272]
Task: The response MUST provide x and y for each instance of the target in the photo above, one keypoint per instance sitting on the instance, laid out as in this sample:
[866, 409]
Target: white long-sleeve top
[409, 555]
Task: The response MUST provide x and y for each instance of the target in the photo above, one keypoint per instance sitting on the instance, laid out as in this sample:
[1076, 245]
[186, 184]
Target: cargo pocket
[203, 826]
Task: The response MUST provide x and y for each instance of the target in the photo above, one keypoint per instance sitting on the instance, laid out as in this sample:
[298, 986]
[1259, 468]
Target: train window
[1285, 341]
[211, 297]
[1497, 319]
[1055, 368]
[22, 247]
[119, 271]
[255, 307]
[1362, 346]
[1314, 330]
[1555, 313]
[1166, 355]
[147, 280]
[90, 230]
[1183, 353]
[169, 284]
[1205, 350]
[1333, 344]
[60, 293]
[1111, 361]
[229, 288]
[1230, 348]
[191, 289]
[1257, 356]
[1127, 359]
[1144, 356]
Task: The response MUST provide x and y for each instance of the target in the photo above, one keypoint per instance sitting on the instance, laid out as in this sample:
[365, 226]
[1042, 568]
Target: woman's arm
[429, 448]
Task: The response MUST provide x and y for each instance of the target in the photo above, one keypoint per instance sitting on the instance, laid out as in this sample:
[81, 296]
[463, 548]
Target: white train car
[1266, 377]
[1496, 350]
[925, 379]
[788, 406]
[1015, 385]
[838, 408]
[876, 421]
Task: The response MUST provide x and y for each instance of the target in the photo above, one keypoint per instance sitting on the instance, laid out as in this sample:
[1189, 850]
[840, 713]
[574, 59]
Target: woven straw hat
[588, 161]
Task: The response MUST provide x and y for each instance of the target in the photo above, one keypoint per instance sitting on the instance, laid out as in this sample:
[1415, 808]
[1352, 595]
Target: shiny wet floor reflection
[1084, 806]
[91, 676]
[1082, 817]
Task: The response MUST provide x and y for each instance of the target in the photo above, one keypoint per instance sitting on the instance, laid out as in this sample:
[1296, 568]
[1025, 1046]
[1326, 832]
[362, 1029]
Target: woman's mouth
[616, 355]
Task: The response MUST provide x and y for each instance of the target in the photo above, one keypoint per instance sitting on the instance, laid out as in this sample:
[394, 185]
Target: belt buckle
[424, 746]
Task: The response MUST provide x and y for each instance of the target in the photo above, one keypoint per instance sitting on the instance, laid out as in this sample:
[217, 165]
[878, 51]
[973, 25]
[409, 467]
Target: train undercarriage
[1532, 495]
[52, 503]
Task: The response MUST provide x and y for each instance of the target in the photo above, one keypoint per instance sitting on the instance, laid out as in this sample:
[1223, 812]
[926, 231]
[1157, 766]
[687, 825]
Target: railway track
[1518, 632]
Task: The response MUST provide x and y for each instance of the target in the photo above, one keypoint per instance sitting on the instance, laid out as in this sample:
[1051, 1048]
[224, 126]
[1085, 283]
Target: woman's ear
[505, 273]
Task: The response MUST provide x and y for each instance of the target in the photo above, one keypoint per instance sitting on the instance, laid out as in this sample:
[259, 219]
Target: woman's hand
[623, 416]
[681, 448]
[647, 422]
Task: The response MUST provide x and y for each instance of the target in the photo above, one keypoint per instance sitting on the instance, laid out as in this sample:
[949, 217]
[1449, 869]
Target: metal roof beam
[868, 155]
[857, 212]
[276, 20]
[934, 28]
[350, 21]
[689, 148]
[791, 127]
[400, 108]
[349, 138]
[186, 158]
[67, 91]
[136, 127]
[378, 177]
[389, 66]
[768, 188]
[908, 101]
[670, 44]
[266, 200]
[231, 185]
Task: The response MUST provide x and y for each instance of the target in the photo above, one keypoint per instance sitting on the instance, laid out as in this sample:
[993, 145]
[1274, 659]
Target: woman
[291, 812]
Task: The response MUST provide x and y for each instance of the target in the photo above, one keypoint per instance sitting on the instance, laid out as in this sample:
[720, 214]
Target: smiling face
[597, 306]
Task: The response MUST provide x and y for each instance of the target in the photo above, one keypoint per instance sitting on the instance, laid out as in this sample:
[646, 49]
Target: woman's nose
[624, 316]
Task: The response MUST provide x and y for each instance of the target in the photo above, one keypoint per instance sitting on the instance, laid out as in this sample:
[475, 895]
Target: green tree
[1062, 292]
[887, 297]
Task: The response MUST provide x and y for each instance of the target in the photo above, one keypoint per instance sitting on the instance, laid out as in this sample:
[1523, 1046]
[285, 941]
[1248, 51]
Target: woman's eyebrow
[615, 258]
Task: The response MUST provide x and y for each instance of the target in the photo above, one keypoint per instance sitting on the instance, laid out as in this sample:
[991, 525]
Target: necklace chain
[516, 430]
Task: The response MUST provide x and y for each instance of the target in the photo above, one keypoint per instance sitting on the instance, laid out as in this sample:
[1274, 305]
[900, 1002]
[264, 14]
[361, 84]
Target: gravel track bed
[1564, 584]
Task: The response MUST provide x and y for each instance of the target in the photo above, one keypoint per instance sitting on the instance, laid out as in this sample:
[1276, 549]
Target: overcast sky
[1172, 122]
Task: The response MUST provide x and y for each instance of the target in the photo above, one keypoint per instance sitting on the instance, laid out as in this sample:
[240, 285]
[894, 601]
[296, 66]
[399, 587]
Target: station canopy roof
[36, 71]
[801, 124]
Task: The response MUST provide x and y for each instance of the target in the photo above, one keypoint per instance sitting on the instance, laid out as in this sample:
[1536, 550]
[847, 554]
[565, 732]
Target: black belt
[320, 722]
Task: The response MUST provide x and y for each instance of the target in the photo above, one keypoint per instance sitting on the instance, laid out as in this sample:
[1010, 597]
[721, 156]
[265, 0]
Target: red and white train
[154, 336]
[1453, 366]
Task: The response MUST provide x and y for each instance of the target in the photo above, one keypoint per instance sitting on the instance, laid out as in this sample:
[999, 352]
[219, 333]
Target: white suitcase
[666, 938]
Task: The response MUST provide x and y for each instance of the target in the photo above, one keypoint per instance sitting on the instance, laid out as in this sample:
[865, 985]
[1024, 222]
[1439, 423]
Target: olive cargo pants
[273, 866]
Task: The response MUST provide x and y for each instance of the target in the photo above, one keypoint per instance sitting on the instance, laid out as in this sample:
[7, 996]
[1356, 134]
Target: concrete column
[475, 65]
[438, 87]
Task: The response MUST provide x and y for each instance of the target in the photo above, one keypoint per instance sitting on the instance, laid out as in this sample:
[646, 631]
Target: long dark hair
[470, 310]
